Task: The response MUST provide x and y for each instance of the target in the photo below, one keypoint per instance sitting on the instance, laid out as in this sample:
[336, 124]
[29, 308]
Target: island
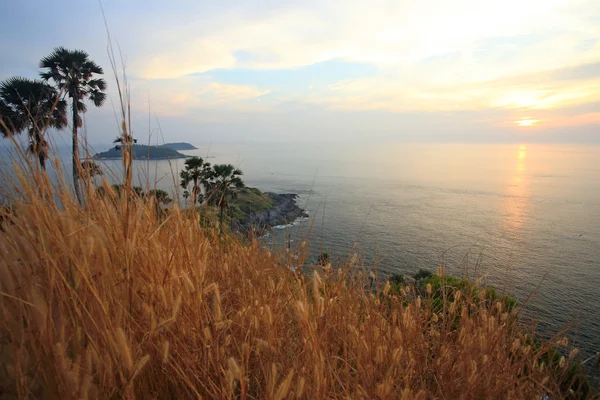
[142, 152]
[179, 146]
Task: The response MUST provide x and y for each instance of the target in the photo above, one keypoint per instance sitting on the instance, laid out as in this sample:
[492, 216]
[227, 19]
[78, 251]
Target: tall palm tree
[32, 106]
[226, 181]
[73, 73]
[198, 173]
[6, 124]
[161, 200]
[161, 196]
[90, 169]
[125, 144]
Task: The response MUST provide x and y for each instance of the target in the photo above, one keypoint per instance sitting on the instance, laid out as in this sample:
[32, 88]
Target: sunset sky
[462, 70]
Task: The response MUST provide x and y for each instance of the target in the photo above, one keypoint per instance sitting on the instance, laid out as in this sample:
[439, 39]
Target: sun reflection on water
[516, 201]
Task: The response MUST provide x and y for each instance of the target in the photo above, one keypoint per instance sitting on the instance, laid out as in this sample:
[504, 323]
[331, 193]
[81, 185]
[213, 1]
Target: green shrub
[397, 279]
[422, 274]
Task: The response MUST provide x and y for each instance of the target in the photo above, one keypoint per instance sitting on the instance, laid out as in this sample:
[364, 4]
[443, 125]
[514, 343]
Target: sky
[329, 70]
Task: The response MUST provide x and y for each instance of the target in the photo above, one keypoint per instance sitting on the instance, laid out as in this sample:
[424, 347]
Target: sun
[526, 122]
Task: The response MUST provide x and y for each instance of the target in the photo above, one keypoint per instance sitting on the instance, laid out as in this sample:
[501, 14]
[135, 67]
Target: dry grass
[102, 303]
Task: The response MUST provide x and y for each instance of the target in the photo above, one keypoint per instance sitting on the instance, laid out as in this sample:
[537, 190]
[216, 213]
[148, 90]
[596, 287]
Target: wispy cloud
[178, 97]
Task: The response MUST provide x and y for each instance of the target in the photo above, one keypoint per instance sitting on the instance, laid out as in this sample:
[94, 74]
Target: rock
[284, 211]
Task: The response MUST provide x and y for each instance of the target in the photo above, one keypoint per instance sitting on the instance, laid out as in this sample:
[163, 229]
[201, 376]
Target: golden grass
[106, 303]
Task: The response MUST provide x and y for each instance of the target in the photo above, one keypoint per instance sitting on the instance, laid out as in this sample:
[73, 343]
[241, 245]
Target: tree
[32, 106]
[161, 199]
[73, 73]
[6, 123]
[199, 174]
[127, 140]
[125, 145]
[226, 181]
[161, 196]
[120, 189]
[91, 169]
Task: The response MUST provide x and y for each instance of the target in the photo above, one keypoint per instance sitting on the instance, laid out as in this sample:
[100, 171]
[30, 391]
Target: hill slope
[179, 146]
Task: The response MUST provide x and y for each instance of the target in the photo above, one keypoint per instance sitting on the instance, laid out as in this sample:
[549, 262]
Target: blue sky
[331, 70]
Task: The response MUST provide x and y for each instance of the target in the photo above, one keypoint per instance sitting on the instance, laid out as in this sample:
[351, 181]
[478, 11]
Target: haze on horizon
[284, 71]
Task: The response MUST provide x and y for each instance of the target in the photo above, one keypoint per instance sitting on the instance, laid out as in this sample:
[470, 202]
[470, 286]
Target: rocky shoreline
[284, 211]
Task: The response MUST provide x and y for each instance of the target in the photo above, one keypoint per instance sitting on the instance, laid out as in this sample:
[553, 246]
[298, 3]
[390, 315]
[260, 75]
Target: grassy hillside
[250, 200]
[115, 300]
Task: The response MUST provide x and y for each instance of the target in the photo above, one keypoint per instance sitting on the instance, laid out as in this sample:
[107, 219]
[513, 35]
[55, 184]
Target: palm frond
[91, 67]
[97, 84]
[91, 168]
[97, 97]
[73, 72]
[31, 105]
[81, 107]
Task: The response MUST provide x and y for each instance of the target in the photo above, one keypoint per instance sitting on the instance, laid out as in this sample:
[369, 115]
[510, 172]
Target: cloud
[579, 72]
[184, 96]
[577, 120]
[378, 32]
[199, 55]
[215, 92]
[412, 89]
[430, 56]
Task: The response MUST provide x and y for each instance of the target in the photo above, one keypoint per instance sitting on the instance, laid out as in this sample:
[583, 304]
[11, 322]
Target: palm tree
[161, 196]
[199, 174]
[6, 124]
[91, 169]
[125, 145]
[120, 188]
[127, 141]
[32, 106]
[161, 200]
[227, 180]
[73, 74]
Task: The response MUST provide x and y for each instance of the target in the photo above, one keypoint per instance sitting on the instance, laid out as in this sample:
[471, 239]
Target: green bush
[422, 274]
[397, 279]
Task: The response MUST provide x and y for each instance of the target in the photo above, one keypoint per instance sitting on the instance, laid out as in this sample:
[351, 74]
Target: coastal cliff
[255, 211]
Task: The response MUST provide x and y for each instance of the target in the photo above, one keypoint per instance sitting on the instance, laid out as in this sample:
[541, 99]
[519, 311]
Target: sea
[523, 218]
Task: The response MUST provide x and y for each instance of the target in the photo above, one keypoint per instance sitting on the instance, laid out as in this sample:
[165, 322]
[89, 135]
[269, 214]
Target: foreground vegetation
[114, 300]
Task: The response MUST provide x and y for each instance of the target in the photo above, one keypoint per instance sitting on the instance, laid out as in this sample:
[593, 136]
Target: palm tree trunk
[76, 154]
[36, 147]
[194, 195]
[42, 160]
[222, 205]
[40, 150]
[221, 220]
